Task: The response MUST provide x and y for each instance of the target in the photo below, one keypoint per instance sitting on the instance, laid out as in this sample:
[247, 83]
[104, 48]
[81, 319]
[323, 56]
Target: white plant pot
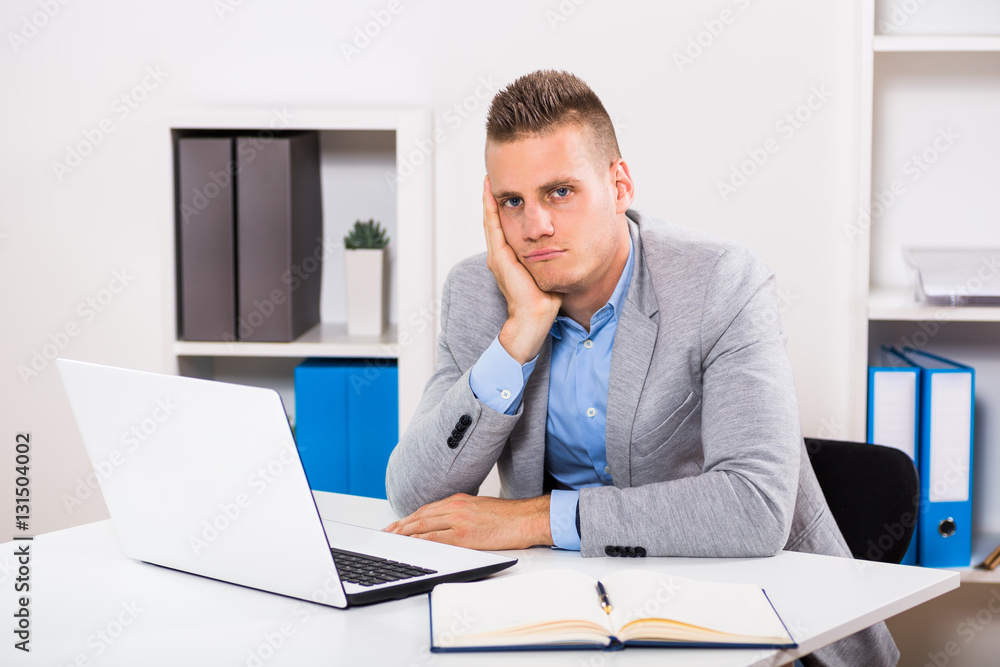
[366, 301]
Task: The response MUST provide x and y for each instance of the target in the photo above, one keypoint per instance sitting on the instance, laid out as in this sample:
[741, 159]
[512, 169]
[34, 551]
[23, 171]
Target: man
[627, 376]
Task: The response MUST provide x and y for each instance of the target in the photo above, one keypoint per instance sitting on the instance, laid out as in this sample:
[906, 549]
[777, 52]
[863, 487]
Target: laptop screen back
[203, 477]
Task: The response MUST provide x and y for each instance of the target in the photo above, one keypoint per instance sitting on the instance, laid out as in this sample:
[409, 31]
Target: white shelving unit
[929, 134]
[982, 545]
[899, 304]
[935, 43]
[372, 165]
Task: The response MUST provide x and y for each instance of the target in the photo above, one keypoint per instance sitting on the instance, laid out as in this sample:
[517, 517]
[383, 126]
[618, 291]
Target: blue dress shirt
[575, 451]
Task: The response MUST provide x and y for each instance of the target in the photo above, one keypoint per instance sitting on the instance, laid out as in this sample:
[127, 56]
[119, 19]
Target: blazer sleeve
[454, 439]
[741, 504]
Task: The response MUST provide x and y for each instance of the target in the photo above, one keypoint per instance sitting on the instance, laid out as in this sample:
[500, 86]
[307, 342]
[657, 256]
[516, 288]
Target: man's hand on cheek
[480, 522]
[530, 311]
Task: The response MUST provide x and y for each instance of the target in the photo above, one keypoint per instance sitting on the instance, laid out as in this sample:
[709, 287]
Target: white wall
[682, 130]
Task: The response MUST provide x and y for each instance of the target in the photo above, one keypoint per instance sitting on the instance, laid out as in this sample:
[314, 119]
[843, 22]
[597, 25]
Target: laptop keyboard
[367, 570]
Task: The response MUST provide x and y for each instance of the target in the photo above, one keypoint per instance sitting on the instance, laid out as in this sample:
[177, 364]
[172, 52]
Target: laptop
[204, 477]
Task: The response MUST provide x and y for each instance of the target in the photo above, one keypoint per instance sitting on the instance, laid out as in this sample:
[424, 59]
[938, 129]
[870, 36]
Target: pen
[603, 594]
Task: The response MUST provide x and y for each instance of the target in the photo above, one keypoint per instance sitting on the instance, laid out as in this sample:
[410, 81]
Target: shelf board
[289, 118]
[935, 43]
[894, 305]
[982, 545]
[323, 340]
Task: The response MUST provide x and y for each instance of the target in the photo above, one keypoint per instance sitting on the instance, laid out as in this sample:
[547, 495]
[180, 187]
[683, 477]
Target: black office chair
[873, 493]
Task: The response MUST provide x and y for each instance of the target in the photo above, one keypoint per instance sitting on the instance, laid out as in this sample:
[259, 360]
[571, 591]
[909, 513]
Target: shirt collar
[614, 304]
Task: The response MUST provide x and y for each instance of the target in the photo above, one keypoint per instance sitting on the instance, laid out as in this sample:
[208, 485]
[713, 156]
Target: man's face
[557, 208]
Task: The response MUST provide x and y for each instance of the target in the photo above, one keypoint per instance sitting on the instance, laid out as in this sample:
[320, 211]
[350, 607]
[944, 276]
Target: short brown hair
[545, 101]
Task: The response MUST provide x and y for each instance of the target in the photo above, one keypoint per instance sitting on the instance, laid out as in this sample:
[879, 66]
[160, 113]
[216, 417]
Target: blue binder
[894, 416]
[321, 422]
[947, 390]
[347, 423]
[372, 424]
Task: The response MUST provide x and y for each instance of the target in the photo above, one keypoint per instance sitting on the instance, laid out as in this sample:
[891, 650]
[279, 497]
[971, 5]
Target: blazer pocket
[659, 435]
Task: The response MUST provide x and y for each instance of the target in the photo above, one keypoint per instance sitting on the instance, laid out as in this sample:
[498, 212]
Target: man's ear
[624, 187]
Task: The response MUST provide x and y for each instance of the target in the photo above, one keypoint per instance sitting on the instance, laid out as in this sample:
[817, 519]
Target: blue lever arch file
[347, 423]
[894, 415]
[947, 397]
[321, 423]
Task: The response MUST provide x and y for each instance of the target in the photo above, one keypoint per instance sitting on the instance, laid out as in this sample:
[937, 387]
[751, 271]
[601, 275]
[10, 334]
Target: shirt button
[505, 394]
[607, 469]
[591, 412]
[588, 343]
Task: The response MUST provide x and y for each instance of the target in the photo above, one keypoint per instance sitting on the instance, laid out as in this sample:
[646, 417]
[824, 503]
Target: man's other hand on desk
[480, 522]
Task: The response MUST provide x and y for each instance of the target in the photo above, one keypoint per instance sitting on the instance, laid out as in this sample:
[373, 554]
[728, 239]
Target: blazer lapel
[631, 354]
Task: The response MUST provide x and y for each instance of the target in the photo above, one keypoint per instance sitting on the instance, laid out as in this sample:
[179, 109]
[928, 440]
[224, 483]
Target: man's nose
[537, 222]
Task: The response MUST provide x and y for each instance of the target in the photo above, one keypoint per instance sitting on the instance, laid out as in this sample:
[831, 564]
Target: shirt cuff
[562, 519]
[498, 380]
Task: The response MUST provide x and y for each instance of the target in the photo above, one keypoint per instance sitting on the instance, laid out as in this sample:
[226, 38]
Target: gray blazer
[703, 437]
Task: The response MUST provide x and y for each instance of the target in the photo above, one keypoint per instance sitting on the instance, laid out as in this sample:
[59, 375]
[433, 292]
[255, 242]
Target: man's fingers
[432, 516]
[489, 203]
[442, 536]
[491, 219]
[424, 525]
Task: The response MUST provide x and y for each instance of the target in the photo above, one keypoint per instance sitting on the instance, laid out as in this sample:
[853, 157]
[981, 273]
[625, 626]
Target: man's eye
[562, 192]
[512, 202]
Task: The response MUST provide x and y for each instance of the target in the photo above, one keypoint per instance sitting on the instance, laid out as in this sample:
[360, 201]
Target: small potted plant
[365, 268]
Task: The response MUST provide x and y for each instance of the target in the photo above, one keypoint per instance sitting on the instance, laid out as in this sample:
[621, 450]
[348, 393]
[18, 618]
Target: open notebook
[553, 609]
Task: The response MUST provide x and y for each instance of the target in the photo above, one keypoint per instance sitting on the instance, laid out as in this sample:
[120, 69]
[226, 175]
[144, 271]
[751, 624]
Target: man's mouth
[539, 255]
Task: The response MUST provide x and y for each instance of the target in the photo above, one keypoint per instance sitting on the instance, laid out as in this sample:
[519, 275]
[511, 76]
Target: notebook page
[737, 609]
[520, 609]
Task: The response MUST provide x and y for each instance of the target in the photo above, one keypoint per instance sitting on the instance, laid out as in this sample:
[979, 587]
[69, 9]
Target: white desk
[83, 587]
